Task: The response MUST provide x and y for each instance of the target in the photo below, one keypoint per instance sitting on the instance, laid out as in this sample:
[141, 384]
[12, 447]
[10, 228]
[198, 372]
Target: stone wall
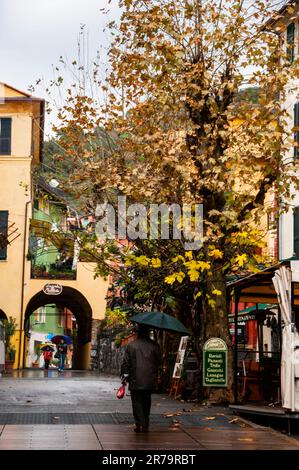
[94, 344]
[109, 357]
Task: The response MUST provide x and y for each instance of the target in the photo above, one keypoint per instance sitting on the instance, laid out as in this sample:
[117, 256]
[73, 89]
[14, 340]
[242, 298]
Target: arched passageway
[2, 315]
[75, 302]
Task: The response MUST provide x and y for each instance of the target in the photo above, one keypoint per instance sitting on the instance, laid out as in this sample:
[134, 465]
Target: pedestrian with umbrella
[62, 342]
[141, 362]
[47, 350]
[139, 368]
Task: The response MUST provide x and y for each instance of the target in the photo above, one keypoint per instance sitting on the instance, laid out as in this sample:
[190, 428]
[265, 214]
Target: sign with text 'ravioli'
[215, 363]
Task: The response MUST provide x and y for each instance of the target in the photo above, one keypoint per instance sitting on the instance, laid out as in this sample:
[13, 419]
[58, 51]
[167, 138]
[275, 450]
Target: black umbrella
[161, 321]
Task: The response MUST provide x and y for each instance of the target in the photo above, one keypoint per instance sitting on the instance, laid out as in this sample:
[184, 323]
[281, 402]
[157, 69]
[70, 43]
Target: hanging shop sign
[215, 363]
[52, 289]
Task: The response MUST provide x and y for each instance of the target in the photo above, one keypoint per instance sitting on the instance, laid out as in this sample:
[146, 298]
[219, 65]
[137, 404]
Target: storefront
[258, 351]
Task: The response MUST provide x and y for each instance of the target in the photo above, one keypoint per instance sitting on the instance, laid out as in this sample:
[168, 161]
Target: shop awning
[259, 288]
[250, 313]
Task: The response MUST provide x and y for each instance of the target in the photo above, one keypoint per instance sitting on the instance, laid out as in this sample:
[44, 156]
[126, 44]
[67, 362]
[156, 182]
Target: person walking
[62, 352]
[48, 354]
[139, 368]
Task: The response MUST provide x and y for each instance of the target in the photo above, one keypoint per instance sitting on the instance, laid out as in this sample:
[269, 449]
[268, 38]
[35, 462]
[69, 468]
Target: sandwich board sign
[215, 363]
[177, 371]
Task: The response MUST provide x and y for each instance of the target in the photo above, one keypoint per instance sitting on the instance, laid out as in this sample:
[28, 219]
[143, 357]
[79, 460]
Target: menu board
[179, 362]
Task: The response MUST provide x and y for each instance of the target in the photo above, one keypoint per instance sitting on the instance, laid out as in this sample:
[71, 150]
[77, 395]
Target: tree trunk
[215, 324]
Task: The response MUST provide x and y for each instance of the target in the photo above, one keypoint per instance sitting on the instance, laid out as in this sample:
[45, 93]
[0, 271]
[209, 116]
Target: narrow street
[80, 411]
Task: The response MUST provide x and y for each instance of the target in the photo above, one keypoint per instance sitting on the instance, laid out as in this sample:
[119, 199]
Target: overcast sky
[35, 33]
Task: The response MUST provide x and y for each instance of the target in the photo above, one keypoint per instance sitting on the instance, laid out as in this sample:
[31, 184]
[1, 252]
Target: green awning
[247, 313]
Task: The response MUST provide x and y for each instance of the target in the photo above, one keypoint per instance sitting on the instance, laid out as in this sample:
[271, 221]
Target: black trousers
[141, 404]
[47, 362]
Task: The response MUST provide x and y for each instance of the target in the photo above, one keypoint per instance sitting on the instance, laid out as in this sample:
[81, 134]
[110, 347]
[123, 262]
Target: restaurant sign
[52, 289]
[215, 363]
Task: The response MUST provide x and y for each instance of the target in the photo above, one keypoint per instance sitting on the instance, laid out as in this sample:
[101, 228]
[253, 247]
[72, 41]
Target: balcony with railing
[51, 253]
[54, 271]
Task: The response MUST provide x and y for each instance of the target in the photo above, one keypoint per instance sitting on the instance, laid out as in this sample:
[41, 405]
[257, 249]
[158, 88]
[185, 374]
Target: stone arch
[77, 303]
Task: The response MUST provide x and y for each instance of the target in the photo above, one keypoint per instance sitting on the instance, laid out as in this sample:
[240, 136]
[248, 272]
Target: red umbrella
[57, 339]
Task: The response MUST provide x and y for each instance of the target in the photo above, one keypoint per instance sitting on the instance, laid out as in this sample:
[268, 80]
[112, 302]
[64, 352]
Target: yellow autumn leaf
[180, 276]
[217, 254]
[189, 255]
[156, 263]
[241, 259]
[203, 265]
[142, 260]
[175, 277]
[193, 274]
[217, 292]
[177, 258]
[243, 234]
[197, 295]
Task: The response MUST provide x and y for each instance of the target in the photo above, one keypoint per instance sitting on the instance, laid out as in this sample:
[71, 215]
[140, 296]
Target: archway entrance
[75, 303]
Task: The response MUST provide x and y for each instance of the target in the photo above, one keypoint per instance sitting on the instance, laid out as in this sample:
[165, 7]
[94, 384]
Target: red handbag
[121, 391]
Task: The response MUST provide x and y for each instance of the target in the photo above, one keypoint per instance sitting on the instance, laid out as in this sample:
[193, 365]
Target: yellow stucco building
[21, 148]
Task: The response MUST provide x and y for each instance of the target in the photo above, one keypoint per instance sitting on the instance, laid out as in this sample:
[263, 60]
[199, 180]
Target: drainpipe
[237, 299]
[22, 343]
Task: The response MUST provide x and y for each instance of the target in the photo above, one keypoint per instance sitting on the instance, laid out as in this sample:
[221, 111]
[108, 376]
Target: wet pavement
[72, 391]
[79, 410]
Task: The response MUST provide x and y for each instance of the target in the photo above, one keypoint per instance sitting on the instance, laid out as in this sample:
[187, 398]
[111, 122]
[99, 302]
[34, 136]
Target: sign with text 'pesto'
[215, 363]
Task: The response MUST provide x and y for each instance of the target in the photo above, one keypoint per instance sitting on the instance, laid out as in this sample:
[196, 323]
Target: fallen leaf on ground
[220, 414]
[247, 439]
[187, 411]
[208, 418]
[234, 420]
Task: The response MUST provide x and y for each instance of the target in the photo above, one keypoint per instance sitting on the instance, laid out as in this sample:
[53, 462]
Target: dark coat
[141, 361]
[62, 348]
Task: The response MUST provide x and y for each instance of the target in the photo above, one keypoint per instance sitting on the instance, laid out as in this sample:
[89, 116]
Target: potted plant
[10, 327]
